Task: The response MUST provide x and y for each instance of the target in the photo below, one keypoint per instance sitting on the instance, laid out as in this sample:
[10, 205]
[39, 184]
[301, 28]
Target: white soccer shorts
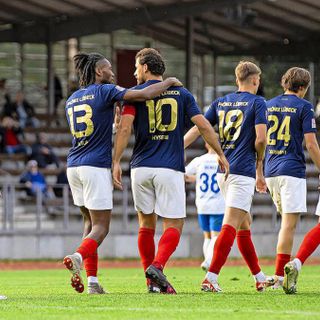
[91, 187]
[237, 190]
[159, 190]
[289, 194]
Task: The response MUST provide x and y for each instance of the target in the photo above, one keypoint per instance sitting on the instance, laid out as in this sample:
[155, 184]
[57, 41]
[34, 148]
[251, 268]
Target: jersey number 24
[282, 130]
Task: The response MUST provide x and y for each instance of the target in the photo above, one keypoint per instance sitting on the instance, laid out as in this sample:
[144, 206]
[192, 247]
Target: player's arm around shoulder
[121, 142]
[151, 91]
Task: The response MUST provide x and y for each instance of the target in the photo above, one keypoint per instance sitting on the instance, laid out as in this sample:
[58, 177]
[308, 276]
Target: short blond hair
[295, 78]
[245, 69]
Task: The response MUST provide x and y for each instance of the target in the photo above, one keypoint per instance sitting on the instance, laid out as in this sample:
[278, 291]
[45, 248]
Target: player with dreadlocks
[89, 113]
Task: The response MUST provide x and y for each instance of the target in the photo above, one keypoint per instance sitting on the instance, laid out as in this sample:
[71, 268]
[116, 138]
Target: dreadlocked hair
[85, 65]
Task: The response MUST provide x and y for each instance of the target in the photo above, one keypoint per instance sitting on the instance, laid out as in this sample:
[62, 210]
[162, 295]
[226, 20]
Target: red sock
[167, 245]
[87, 247]
[248, 251]
[309, 244]
[281, 260]
[146, 246]
[222, 248]
[91, 265]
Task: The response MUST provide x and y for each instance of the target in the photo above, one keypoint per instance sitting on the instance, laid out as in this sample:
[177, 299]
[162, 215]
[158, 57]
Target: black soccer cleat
[156, 275]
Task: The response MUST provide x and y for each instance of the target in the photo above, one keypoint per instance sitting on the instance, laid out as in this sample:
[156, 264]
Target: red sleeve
[128, 109]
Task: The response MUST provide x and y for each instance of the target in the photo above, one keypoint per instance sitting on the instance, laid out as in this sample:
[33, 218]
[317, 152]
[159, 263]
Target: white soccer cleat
[73, 263]
[95, 288]
[209, 286]
[3, 298]
[274, 282]
[290, 278]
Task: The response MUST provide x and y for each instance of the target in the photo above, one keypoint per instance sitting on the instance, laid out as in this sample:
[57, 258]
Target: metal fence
[40, 207]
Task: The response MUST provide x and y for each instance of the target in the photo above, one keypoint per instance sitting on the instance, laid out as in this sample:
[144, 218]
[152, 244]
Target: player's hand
[261, 185]
[117, 117]
[117, 175]
[174, 82]
[224, 165]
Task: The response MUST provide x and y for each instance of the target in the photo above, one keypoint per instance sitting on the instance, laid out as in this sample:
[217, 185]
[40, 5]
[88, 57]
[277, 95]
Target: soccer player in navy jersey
[242, 123]
[290, 120]
[90, 116]
[157, 163]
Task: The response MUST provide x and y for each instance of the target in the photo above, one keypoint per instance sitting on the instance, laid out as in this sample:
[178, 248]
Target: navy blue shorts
[210, 222]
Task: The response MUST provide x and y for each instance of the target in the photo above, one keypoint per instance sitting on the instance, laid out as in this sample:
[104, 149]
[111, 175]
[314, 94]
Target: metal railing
[58, 215]
[39, 207]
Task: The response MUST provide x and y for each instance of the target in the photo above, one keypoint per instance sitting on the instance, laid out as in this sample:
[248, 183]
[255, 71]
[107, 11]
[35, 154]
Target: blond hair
[245, 69]
[295, 78]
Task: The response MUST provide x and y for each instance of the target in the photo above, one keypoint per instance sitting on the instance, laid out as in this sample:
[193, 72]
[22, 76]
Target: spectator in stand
[4, 94]
[34, 180]
[43, 153]
[11, 136]
[21, 110]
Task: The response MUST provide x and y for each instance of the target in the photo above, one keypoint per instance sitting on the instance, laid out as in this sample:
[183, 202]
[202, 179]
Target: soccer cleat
[208, 286]
[152, 287]
[205, 266]
[261, 286]
[3, 298]
[271, 280]
[290, 278]
[277, 285]
[95, 288]
[73, 264]
[156, 275]
[274, 282]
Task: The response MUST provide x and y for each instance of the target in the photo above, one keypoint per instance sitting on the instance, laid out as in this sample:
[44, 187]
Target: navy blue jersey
[159, 128]
[236, 115]
[289, 118]
[90, 116]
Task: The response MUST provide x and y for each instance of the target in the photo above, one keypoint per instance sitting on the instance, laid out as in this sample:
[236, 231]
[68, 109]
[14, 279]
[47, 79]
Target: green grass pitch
[46, 294]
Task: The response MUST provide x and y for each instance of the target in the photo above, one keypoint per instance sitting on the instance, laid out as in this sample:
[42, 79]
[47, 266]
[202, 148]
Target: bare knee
[288, 229]
[100, 224]
[289, 222]
[173, 223]
[100, 232]
[147, 220]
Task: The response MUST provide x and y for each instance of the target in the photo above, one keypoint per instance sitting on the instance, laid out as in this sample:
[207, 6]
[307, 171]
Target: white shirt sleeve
[191, 168]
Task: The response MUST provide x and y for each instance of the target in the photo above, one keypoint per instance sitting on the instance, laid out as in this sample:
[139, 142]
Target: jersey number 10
[155, 114]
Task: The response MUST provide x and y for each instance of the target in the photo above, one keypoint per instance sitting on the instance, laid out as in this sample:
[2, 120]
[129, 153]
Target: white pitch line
[184, 310]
